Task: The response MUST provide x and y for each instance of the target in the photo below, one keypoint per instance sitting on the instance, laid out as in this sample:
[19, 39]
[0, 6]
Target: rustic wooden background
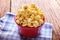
[4, 7]
[51, 10]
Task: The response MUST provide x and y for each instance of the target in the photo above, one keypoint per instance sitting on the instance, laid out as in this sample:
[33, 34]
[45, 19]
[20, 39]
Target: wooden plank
[4, 7]
[58, 2]
[51, 10]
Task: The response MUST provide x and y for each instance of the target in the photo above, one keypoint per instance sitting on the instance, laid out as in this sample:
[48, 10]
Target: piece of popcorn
[40, 21]
[32, 16]
[17, 21]
[32, 6]
[24, 23]
[35, 23]
[37, 17]
[29, 19]
[30, 24]
[20, 18]
[25, 7]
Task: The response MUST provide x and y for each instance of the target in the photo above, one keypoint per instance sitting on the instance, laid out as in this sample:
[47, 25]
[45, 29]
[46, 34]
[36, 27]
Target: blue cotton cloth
[9, 30]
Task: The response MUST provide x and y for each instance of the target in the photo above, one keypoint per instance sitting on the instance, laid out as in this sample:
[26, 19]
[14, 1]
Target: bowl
[29, 31]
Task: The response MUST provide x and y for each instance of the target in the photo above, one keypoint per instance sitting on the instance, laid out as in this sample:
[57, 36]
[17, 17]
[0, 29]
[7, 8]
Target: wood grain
[4, 7]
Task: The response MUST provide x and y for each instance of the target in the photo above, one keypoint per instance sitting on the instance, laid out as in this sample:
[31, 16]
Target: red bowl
[27, 31]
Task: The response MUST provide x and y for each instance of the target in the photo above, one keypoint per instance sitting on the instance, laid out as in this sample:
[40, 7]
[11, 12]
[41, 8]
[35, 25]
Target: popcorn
[32, 6]
[24, 23]
[35, 23]
[25, 7]
[30, 16]
[17, 21]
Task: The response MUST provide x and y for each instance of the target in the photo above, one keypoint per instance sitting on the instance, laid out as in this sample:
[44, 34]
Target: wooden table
[51, 10]
[4, 7]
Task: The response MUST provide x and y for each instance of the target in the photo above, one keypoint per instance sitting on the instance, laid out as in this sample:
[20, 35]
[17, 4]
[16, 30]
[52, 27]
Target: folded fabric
[9, 30]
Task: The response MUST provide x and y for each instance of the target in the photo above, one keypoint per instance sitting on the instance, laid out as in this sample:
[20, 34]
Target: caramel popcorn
[30, 16]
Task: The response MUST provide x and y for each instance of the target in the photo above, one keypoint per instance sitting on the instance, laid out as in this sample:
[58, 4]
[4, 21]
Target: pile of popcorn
[30, 16]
